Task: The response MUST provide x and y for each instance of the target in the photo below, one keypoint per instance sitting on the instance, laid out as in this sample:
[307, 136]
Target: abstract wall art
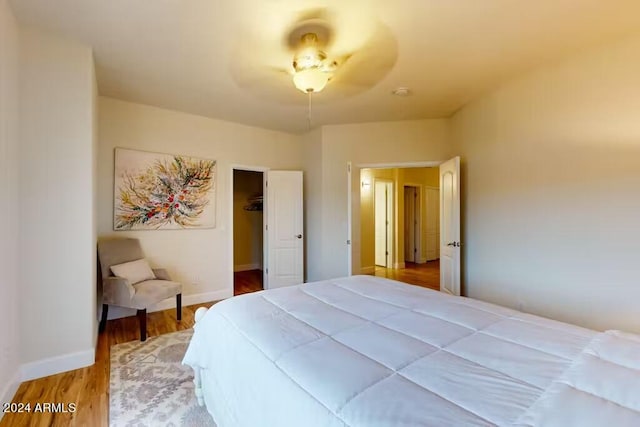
[163, 191]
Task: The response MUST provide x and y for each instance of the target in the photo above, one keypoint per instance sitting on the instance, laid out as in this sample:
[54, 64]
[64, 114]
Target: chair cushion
[152, 292]
[134, 271]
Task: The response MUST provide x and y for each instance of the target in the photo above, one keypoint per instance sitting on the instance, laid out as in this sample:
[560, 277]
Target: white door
[383, 217]
[284, 238]
[450, 226]
[380, 219]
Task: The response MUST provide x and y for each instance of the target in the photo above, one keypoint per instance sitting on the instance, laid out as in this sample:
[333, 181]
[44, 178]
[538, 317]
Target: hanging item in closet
[255, 203]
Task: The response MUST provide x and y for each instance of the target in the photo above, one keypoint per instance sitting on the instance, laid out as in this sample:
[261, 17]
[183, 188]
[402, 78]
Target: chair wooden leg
[142, 319]
[179, 307]
[103, 318]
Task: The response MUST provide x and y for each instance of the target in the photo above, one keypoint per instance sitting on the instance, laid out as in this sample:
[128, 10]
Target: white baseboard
[368, 270]
[9, 390]
[399, 265]
[247, 267]
[119, 312]
[58, 364]
[81, 359]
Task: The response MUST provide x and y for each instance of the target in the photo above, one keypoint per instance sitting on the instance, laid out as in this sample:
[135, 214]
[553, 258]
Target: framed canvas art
[163, 191]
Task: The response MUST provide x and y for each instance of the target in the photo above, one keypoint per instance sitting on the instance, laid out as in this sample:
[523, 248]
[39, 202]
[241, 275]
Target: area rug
[150, 387]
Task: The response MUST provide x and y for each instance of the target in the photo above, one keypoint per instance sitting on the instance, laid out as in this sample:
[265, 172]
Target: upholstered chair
[128, 281]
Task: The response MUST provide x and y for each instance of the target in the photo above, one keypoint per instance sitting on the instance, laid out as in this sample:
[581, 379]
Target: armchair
[137, 286]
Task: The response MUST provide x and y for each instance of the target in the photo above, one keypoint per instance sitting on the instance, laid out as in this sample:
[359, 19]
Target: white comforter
[366, 351]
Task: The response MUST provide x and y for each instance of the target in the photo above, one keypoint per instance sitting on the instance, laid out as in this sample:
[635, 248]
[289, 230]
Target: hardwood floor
[247, 281]
[426, 275]
[88, 387]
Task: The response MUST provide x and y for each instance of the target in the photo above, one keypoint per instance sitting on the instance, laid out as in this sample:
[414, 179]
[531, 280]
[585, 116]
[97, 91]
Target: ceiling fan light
[308, 57]
[311, 80]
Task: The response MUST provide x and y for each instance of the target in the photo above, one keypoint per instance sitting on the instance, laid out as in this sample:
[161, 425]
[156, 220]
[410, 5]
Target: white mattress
[367, 351]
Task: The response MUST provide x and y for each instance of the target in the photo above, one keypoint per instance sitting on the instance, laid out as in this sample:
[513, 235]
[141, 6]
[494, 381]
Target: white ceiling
[186, 54]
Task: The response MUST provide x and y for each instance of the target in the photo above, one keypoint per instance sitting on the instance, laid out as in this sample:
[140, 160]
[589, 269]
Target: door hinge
[266, 183]
[348, 242]
[267, 271]
[348, 168]
[266, 227]
[386, 253]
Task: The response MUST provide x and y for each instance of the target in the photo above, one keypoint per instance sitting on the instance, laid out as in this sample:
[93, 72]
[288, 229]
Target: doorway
[412, 222]
[399, 224]
[248, 220]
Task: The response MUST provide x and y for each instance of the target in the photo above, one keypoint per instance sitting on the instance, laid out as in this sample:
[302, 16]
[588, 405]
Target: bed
[368, 351]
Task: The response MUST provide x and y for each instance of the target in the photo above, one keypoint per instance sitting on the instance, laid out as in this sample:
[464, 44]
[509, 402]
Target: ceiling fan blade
[371, 63]
[360, 51]
[353, 28]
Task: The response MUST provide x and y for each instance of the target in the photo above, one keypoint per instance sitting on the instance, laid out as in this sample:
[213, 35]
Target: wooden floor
[426, 275]
[247, 281]
[88, 388]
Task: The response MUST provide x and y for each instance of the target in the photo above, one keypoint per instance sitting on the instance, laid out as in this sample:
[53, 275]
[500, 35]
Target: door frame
[417, 211]
[353, 208]
[264, 171]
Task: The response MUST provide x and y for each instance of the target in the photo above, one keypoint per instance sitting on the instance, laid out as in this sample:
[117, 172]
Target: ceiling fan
[345, 50]
[312, 69]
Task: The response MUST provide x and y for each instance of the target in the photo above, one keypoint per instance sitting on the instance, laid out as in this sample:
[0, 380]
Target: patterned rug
[150, 387]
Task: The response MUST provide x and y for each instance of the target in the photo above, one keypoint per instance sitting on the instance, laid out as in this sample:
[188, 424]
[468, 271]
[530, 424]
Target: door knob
[299, 236]
[451, 244]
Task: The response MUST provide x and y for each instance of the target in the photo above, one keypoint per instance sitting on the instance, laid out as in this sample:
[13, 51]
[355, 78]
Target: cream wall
[9, 203]
[57, 247]
[551, 190]
[424, 176]
[201, 259]
[247, 224]
[362, 144]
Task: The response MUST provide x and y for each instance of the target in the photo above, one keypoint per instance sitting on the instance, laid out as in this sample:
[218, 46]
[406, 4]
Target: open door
[383, 218]
[450, 226]
[283, 234]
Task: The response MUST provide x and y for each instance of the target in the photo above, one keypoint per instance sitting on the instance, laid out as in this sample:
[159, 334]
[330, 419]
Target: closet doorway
[248, 231]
